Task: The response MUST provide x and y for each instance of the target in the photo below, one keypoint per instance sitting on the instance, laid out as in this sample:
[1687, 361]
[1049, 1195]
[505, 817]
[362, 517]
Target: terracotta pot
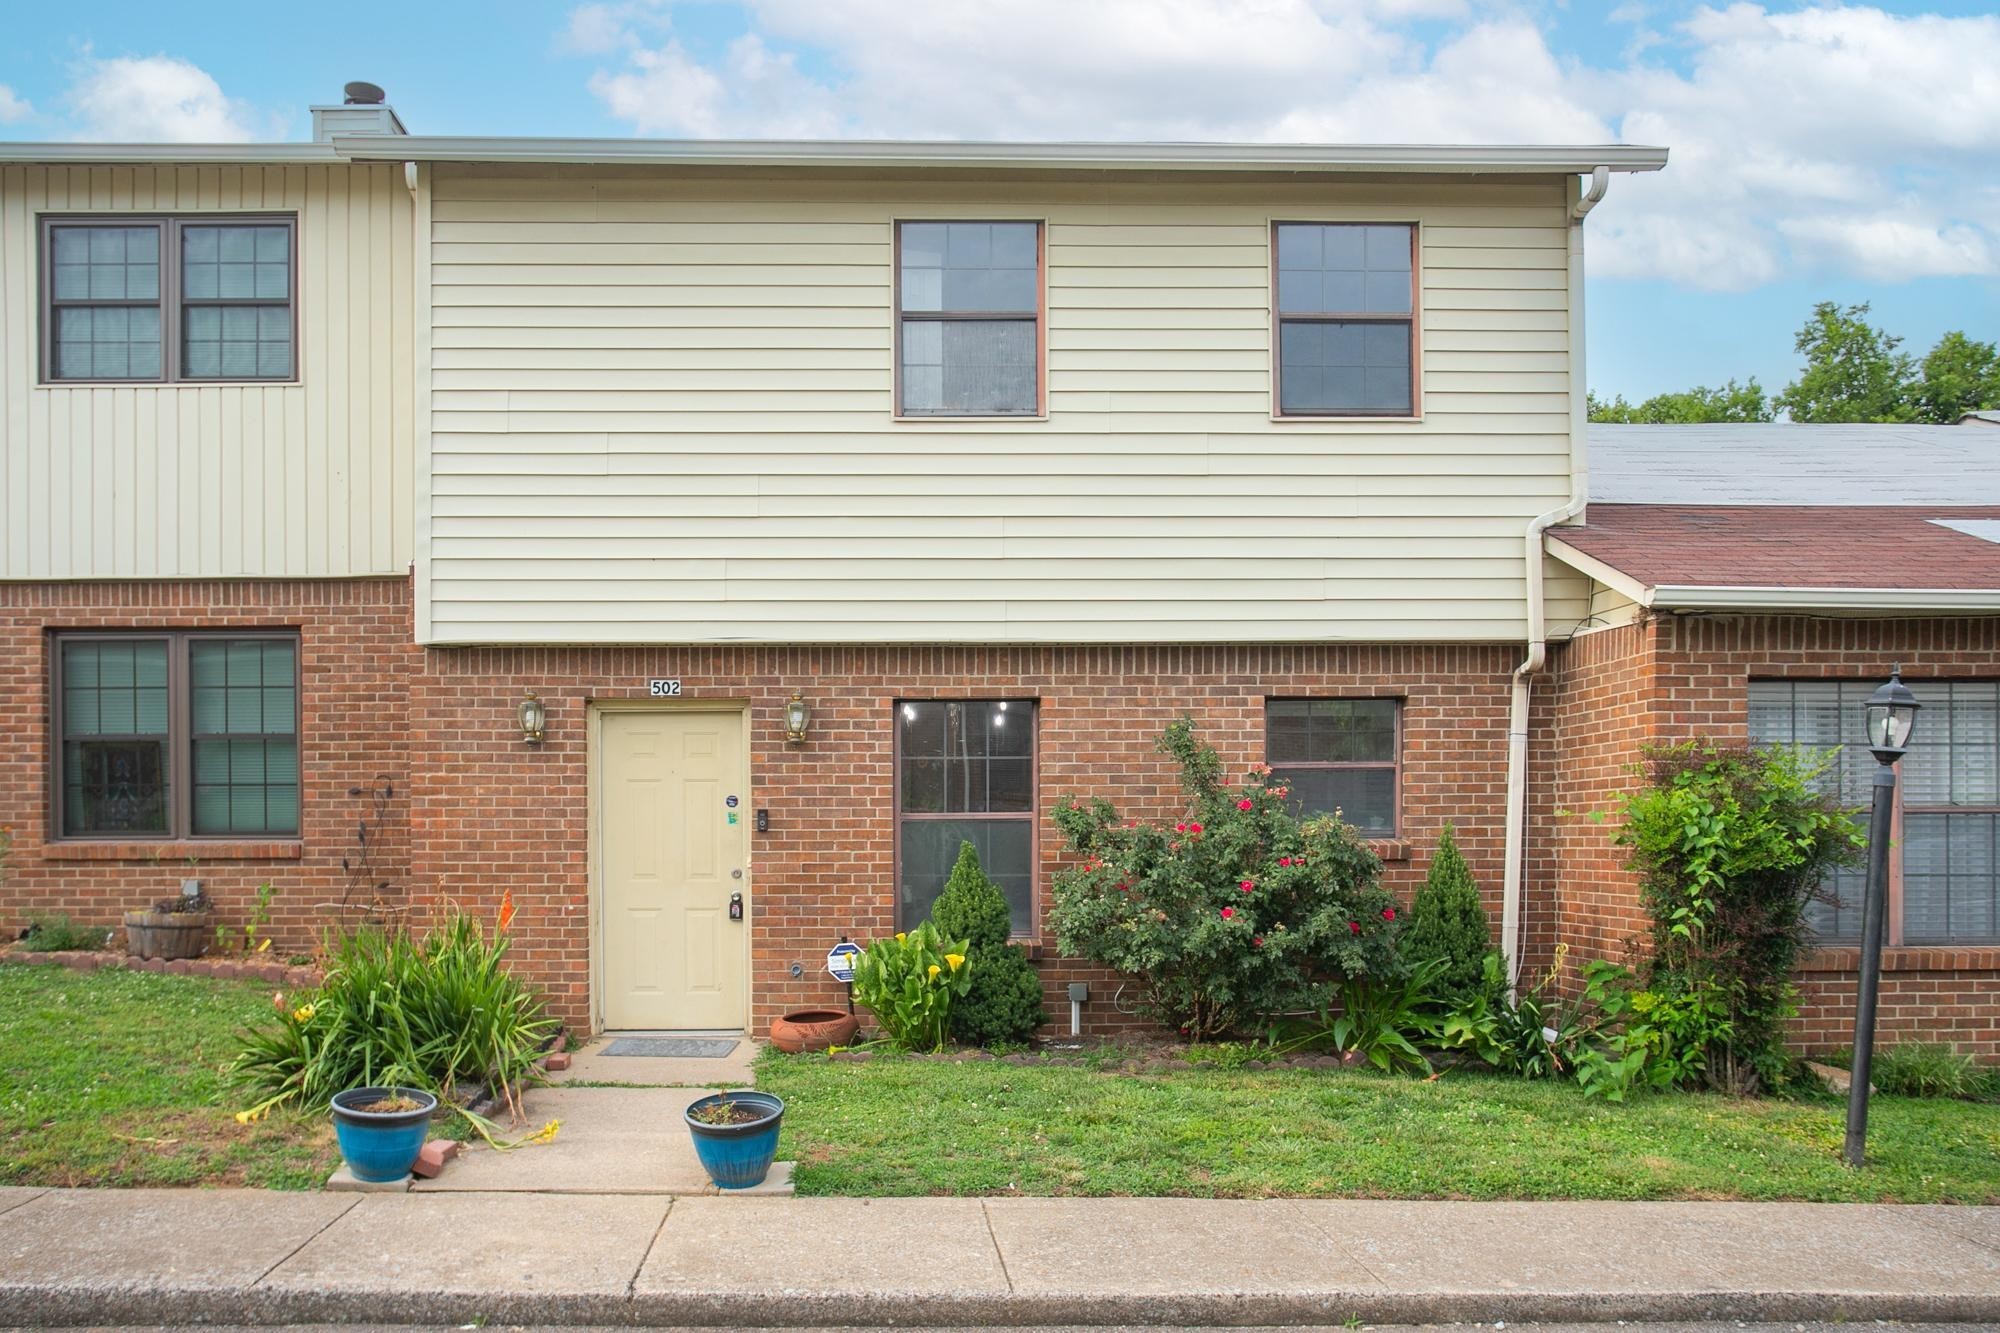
[168, 934]
[813, 1030]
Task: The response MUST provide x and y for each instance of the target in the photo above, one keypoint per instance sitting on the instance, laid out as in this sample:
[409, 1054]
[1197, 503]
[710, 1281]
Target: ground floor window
[1338, 756]
[1944, 869]
[176, 734]
[965, 772]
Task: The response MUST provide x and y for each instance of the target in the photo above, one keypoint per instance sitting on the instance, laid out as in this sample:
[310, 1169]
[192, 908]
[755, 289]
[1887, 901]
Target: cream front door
[673, 851]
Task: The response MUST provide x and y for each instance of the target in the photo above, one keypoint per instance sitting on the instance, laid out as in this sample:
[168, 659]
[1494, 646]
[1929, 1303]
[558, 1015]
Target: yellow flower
[955, 959]
[546, 1132]
[264, 946]
[934, 970]
[302, 1014]
[254, 1113]
[901, 936]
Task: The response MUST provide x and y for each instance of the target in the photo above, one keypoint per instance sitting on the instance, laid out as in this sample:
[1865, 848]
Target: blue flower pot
[381, 1145]
[738, 1156]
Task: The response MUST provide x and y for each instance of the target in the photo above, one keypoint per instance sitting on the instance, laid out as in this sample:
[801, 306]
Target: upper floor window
[1346, 319]
[1944, 869]
[969, 300]
[177, 735]
[159, 300]
[1339, 757]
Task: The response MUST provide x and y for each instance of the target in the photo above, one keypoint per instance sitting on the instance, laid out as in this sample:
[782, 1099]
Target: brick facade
[478, 813]
[1676, 678]
[355, 663]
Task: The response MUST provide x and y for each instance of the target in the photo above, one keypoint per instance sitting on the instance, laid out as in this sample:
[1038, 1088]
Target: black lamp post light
[1892, 713]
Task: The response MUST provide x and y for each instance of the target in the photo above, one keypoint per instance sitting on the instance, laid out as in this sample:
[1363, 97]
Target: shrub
[55, 932]
[1930, 1069]
[909, 982]
[1233, 914]
[1002, 1004]
[427, 1015]
[1730, 846]
[1447, 921]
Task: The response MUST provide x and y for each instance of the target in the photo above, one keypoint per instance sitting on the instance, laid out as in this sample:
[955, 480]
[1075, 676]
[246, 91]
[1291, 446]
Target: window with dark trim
[1944, 869]
[968, 319]
[176, 735]
[1339, 757]
[1345, 312]
[965, 772]
[209, 297]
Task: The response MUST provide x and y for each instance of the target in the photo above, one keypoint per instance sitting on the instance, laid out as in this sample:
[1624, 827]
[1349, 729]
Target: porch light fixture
[534, 719]
[1892, 715]
[798, 716]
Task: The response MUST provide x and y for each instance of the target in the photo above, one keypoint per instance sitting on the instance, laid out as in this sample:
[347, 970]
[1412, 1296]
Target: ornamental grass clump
[1002, 1005]
[909, 982]
[394, 1011]
[1231, 915]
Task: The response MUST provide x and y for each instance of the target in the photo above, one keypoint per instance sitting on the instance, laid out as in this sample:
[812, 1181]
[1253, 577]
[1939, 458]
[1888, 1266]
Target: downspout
[1538, 644]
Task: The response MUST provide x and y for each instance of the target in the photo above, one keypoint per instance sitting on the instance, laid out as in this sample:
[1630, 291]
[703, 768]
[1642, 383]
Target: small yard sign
[840, 960]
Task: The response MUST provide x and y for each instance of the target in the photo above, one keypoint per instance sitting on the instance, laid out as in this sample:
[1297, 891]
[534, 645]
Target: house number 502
[664, 689]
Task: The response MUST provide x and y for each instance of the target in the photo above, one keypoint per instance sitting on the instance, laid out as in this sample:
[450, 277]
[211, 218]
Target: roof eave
[195, 154]
[1695, 597]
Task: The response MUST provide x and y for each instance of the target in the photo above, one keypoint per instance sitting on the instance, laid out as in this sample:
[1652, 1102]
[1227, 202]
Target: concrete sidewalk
[252, 1257]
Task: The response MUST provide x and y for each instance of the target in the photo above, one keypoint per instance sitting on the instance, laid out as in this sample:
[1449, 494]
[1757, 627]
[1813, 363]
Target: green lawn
[902, 1126]
[115, 1078]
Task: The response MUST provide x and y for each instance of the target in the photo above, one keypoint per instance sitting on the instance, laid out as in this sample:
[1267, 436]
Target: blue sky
[1821, 151]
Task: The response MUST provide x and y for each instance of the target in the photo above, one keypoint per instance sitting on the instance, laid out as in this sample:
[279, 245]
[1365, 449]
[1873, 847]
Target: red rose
[1243, 804]
[1388, 914]
[1256, 941]
[1228, 912]
[1249, 884]
[1180, 828]
[1284, 860]
[1194, 828]
[1354, 927]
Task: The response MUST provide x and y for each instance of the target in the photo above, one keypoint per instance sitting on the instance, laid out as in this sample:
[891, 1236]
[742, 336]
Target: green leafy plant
[1448, 922]
[392, 1010]
[1382, 1018]
[56, 932]
[1002, 1004]
[251, 936]
[1234, 913]
[1931, 1069]
[909, 982]
[1532, 1035]
[1730, 846]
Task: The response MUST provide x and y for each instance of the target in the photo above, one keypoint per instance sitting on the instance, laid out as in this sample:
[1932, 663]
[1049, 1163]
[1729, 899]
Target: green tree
[1853, 370]
[1730, 402]
[1003, 1005]
[1960, 375]
[1448, 922]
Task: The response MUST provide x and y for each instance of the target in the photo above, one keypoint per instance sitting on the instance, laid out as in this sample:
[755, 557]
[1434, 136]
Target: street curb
[143, 1304]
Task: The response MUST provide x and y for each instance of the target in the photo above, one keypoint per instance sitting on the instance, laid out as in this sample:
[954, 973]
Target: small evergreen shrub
[56, 932]
[1003, 1004]
[1448, 923]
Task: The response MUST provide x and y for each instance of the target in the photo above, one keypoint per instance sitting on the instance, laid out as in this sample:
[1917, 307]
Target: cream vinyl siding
[220, 480]
[661, 411]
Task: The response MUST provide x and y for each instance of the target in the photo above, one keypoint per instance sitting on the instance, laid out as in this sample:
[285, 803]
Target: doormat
[680, 1048]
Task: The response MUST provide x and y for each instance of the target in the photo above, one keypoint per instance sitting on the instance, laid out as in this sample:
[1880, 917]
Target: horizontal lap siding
[661, 412]
[313, 479]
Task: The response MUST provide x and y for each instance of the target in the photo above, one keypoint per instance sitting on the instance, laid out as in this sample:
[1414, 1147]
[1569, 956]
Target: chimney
[363, 112]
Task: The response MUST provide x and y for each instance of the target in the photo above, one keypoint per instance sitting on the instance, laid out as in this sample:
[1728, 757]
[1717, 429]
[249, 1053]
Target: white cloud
[12, 107]
[1829, 138]
[154, 99]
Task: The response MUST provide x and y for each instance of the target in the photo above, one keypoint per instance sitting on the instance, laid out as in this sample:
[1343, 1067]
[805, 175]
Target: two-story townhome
[697, 541]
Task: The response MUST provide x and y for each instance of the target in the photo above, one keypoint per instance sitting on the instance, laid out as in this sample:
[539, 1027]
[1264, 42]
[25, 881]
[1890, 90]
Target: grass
[115, 1078]
[900, 1126]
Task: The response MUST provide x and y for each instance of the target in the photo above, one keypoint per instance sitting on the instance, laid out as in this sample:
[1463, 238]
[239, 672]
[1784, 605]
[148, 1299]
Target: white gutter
[1538, 642]
[186, 153]
[1694, 597]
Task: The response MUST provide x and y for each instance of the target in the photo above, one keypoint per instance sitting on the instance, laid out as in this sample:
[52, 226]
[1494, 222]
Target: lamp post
[1892, 712]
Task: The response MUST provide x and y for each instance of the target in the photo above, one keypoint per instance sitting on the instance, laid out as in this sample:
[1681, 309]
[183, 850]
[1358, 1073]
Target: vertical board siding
[661, 411]
[312, 479]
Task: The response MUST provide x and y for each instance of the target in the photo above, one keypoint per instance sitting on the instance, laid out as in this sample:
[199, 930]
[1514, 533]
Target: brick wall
[491, 813]
[1676, 678]
[355, 663]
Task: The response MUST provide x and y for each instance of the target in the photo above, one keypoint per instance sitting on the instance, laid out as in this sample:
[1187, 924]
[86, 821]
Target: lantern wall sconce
[534, 716]
[798, 717]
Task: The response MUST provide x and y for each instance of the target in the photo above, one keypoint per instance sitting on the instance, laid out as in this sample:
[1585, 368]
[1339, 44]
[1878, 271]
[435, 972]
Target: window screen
[1338, 756]
[104, 290]
[245, 735]
[1346, 321]
[966, 773]
[970, 302]
[114, 737]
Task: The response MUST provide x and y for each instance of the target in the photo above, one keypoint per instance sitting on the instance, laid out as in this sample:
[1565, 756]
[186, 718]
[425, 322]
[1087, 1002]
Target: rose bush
[1230, 915]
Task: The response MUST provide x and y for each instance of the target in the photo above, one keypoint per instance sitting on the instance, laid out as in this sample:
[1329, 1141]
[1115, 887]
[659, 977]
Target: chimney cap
[364, 94]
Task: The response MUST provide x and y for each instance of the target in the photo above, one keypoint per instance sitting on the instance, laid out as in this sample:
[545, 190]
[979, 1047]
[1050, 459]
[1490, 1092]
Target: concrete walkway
[252, 1257]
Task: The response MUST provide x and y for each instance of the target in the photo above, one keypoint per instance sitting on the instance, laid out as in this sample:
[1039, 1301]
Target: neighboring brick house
[321, 459]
